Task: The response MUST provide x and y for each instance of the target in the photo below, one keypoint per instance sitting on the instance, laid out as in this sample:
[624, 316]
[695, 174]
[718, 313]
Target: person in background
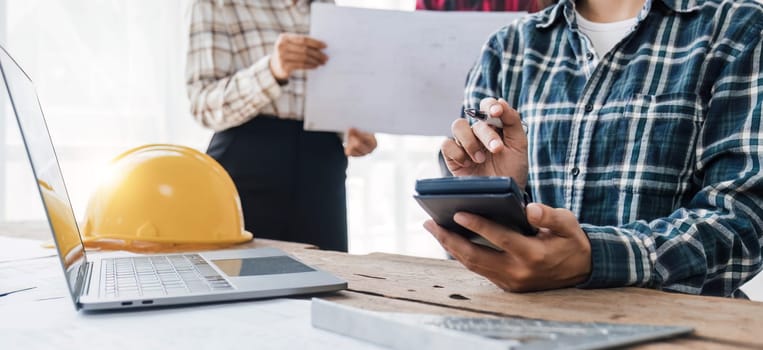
[642, 153]
[246, 81]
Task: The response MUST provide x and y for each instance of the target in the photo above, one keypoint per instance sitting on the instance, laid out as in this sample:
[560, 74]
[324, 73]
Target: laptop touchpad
[270, 265]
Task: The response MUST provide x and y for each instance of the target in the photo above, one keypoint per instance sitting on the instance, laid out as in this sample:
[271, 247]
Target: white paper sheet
[394, 72]
[12, 249]
[43, 276]
[269, 324]
[16, 254]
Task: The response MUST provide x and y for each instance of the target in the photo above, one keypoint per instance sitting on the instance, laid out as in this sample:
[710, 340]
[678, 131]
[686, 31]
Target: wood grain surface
[388, 282]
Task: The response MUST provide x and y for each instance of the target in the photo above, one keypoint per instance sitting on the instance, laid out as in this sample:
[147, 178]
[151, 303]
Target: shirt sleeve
[220, 96]
[713, 245]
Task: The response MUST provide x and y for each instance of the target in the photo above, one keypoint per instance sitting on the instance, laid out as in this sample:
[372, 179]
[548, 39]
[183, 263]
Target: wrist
[279, 75]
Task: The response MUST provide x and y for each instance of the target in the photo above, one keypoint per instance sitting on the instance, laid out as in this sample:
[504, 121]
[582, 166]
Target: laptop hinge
[83, 278]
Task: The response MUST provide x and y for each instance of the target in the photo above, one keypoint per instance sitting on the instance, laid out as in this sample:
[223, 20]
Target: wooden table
[388, 282]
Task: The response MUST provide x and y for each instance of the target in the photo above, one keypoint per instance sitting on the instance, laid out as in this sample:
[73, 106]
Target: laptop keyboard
[159, 276]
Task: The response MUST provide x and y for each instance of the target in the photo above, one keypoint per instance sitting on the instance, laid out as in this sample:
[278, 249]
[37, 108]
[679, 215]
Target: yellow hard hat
[159, 197]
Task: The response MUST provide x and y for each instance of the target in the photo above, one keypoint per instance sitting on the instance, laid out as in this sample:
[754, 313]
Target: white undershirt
[604, 36]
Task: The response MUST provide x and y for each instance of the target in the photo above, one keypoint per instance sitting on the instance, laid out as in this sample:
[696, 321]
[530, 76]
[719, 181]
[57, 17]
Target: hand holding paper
[359, 143]
[294, 51]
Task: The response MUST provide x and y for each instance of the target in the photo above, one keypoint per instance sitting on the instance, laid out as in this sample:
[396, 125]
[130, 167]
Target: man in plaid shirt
[644, 145]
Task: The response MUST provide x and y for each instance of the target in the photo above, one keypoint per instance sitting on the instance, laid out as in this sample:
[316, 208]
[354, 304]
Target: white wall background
[110, 77]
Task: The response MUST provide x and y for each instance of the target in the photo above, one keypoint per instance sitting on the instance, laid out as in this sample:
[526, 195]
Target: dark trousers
[291, 182]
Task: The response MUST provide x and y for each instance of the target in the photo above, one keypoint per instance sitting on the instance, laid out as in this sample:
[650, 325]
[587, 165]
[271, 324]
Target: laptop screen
[42, 156]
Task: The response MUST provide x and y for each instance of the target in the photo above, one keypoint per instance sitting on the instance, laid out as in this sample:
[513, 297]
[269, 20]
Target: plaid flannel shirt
[655, 147]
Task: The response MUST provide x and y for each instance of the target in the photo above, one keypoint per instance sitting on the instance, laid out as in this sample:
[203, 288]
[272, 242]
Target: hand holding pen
[496, 145]
[492, 121]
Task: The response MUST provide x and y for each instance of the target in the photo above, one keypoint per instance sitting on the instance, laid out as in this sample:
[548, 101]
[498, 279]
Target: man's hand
[481, 150]
[559, 256]
[359, 143]
[294, 51]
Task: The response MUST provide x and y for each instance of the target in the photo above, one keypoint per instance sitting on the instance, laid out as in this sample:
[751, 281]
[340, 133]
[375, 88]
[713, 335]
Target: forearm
[233, 100]
[696, 251]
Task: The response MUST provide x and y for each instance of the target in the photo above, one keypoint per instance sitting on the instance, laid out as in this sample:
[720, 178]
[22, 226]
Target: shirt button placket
[575, 171]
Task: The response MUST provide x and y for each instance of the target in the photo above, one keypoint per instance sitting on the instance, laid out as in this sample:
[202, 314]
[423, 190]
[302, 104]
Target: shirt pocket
[658, 136]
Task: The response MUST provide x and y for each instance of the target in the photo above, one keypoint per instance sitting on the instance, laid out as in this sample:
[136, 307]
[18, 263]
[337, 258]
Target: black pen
[482, 116]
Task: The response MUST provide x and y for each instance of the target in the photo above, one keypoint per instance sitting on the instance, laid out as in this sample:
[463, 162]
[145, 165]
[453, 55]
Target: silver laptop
[145, 280]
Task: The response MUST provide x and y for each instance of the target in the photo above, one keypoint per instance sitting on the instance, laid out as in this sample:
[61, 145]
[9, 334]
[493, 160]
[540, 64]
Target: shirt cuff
[265, 79]
[618, 258]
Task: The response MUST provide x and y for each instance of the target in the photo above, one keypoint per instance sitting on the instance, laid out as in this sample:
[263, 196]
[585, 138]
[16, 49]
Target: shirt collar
[566, 9]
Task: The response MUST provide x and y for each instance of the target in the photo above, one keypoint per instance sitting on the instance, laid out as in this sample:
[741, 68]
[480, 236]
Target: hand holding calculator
[494, 197]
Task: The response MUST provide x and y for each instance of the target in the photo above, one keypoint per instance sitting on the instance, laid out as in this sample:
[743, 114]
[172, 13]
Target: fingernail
[479, 157]
[494, 145]
[461, 219]
[534, 212]
[495, 109]
[467, 163]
